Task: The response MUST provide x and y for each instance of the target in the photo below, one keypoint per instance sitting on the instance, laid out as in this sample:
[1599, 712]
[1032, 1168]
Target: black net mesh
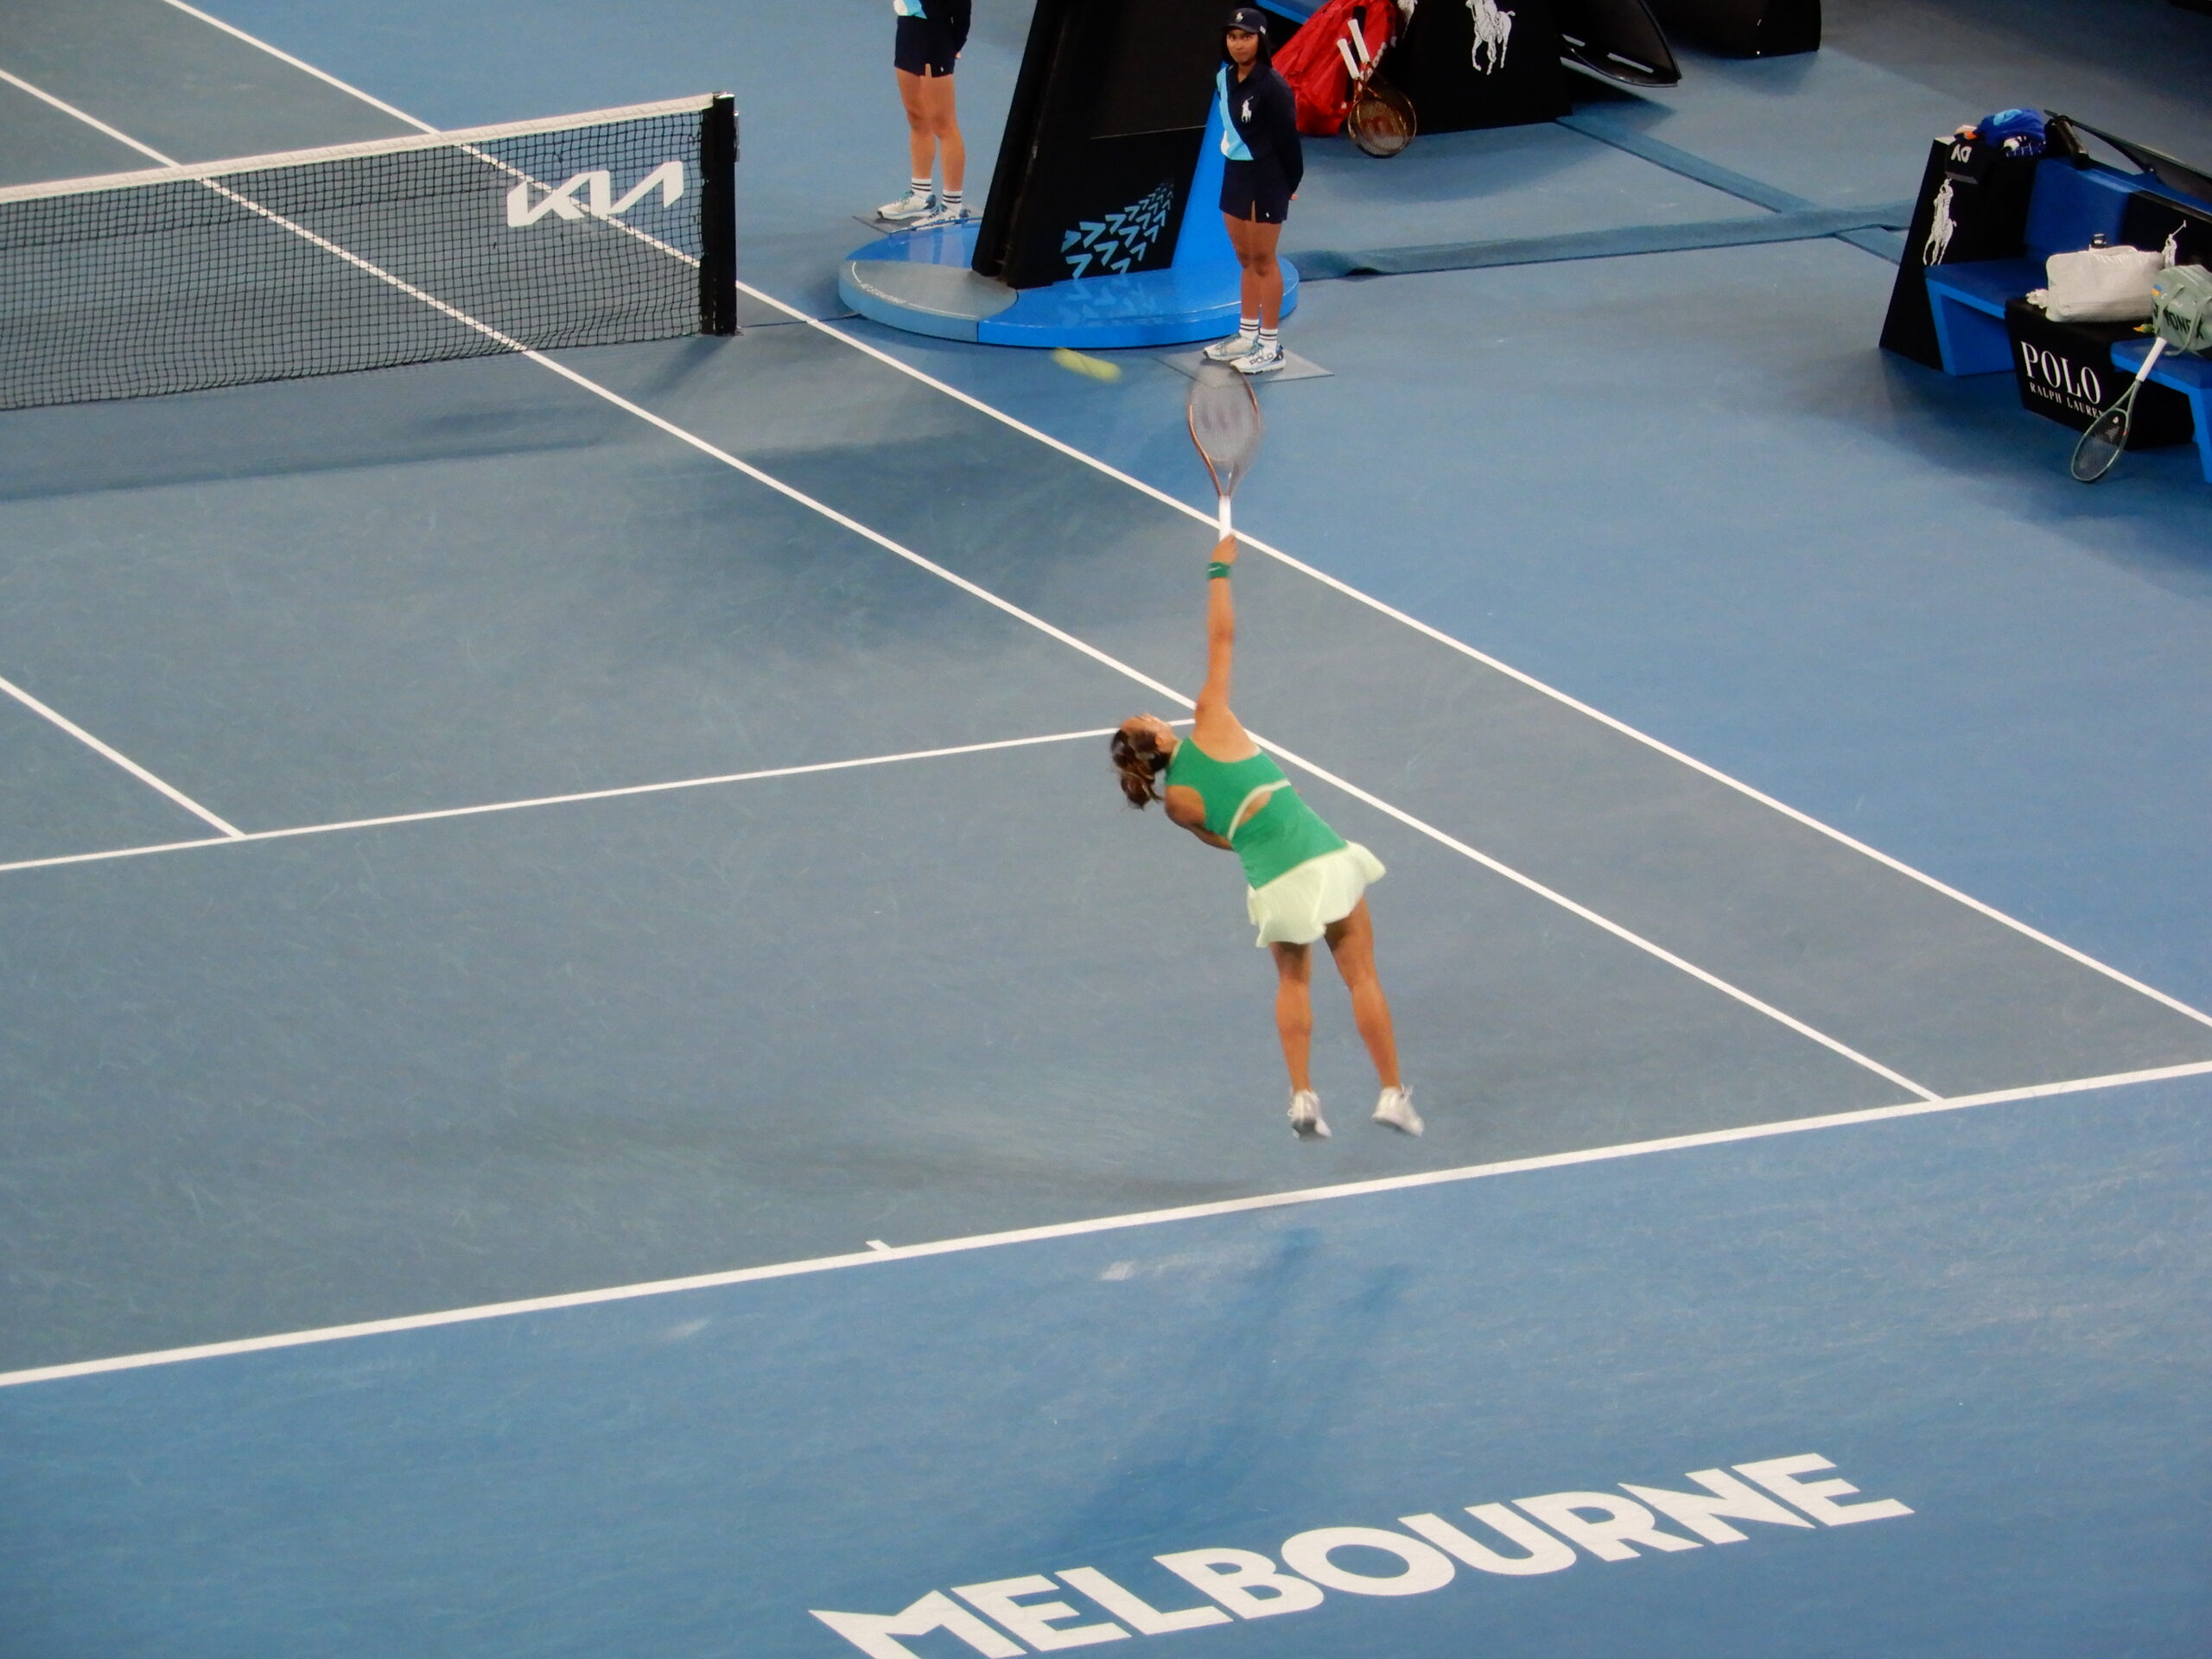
[326, 261]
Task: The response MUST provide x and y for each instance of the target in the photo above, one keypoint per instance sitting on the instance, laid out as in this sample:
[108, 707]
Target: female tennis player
[1265, 162]
[1305, 881]
[932, 34]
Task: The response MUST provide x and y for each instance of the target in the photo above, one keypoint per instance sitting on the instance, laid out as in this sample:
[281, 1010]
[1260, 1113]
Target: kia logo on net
[598, 195]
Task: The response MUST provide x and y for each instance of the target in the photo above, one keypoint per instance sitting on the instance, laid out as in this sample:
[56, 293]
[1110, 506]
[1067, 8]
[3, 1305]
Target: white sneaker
[1306, 1116]
[939, 218]
[1261, 358]
[1396, 1110]
[1228, 351]
[913, 204]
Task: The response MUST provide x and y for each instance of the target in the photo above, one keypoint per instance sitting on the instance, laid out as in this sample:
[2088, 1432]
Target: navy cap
[1251, 19]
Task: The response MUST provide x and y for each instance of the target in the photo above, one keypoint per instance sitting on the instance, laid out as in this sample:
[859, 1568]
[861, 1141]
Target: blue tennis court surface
[1984, 1317]
[593, 1065]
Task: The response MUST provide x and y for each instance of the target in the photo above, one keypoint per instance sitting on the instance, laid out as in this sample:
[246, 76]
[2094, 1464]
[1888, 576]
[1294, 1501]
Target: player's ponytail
[1138, 761]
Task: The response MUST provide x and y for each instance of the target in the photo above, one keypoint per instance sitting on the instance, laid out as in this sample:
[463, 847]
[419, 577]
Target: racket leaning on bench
[2180, 313]
[1381, 120]
[1223, 412]
[2100, 447]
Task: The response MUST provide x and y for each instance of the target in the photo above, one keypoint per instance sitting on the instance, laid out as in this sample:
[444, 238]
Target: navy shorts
[1254, 190]
[924, 47]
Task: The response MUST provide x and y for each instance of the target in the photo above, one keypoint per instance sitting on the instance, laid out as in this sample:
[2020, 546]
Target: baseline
[878, 1251]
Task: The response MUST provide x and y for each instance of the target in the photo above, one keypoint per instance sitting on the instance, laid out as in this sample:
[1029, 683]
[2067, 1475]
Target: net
[580, 230]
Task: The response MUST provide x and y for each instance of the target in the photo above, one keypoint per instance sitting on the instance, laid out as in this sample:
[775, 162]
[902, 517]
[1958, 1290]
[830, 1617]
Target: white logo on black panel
[1941, 229]
[598, 199]
[1493, 29]
[2076, 386]
[1115, 243]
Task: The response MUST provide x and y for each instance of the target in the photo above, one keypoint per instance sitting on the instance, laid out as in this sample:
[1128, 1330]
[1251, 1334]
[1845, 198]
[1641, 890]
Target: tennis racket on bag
[1223, 412]
[2100, 447]
[1381, 120]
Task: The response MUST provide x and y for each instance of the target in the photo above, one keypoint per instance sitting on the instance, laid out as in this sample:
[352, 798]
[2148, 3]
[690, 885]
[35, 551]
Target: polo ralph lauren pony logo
[1493, 31]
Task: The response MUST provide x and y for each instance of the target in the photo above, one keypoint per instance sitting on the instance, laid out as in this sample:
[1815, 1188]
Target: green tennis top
[1278, 838]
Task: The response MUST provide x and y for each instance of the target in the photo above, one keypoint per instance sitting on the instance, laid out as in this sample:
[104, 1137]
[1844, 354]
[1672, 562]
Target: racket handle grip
[2151, 357]
[1224, 518]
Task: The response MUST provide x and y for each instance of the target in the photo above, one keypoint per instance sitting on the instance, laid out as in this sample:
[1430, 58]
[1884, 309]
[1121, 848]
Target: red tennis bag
[1309, 60]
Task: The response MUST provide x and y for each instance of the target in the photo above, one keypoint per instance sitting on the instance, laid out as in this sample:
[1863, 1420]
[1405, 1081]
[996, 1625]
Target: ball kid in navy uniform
[932, 34]
[1262, 165]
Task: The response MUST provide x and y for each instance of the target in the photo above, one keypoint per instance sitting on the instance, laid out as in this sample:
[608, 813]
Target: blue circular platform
[922, 281]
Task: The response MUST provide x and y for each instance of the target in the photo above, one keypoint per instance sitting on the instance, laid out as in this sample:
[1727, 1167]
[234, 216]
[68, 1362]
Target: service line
[438, 814]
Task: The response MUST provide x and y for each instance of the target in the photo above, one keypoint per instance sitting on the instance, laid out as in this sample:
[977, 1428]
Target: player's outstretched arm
[1215, 727]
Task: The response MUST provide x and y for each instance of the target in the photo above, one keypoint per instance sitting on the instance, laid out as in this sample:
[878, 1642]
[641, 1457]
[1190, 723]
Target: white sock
[918, 187]
[1247, 327]
[951, 199]
[1270, 340]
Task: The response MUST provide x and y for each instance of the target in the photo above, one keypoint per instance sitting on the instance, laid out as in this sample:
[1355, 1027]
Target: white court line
[437, 814]
[877, 1252]
[1322, 576]
[302, 65]
[1606, 923]
[1084, 647]
[93, 122]
[118, 757]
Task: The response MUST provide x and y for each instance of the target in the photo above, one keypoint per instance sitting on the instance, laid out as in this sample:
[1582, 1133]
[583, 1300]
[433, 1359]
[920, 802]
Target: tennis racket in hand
[2099, 450]
[1224, 416]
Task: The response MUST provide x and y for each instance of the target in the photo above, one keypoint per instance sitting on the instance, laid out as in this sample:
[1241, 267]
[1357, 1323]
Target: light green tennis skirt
[1298, 905]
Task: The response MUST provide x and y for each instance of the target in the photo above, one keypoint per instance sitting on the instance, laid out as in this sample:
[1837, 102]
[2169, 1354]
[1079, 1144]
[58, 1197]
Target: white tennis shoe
[915, 203]
[1228, 351]
[939, 219]
[1261, 360]
[1396, 1110]
[1306, 1116]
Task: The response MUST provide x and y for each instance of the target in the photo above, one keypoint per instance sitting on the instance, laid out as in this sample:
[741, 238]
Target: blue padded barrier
[1319, 263]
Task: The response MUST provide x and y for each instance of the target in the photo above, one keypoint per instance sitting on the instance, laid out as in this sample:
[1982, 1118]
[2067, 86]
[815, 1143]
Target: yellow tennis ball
[1096, 368]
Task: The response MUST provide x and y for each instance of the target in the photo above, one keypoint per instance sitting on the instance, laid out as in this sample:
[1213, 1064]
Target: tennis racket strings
[1381, 120]
[2100, 447]
[1224, 414]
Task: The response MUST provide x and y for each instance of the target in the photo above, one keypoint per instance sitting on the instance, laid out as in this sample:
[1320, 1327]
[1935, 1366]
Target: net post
[718, 216]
